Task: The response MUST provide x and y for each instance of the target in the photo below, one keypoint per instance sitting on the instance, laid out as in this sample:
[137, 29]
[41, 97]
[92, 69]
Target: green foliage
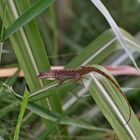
[69, 33]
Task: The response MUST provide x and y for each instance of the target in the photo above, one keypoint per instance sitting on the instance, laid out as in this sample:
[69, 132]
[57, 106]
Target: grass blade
[115, 28]
[37, 8]
[22, 110]
[30, 50]
[52, 115]
[114, 107]
[3, 21]
[2, 29]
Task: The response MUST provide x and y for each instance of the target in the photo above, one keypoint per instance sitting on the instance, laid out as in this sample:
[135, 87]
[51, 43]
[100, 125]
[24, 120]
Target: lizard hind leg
[60, 80]
[79, 78]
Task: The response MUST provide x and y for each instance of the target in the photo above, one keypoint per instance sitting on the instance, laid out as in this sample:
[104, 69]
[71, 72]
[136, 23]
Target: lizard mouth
[43, 76]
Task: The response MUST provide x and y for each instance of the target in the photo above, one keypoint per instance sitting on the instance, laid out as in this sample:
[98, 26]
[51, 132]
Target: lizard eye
[42, 75]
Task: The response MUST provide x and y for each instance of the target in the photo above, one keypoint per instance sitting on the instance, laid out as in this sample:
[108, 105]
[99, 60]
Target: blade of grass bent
[115, 28]
[104, 45]
[114, 107]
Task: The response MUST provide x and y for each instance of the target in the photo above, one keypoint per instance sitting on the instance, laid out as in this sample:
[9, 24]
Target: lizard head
[48, 75]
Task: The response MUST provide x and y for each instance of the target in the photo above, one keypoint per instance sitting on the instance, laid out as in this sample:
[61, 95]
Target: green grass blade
[3, 21]
[105, 45]
[2, 29]
[30, 52]
[53, 127]
[132, 42]
[36, 9]
[28, 47]
[55, 31]
[52, 89]
[102, 45]
[114, 107]
[115, 29]
[22, 110]
[54, 116]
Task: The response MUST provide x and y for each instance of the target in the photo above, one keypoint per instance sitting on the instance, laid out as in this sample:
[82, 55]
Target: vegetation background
[68, 33]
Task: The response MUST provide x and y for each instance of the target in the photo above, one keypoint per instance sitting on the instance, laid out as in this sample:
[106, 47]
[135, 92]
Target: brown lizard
[64, 74]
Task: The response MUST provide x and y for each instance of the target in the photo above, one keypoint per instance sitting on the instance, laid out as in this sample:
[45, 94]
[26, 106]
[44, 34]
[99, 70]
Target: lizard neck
[86, 69]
